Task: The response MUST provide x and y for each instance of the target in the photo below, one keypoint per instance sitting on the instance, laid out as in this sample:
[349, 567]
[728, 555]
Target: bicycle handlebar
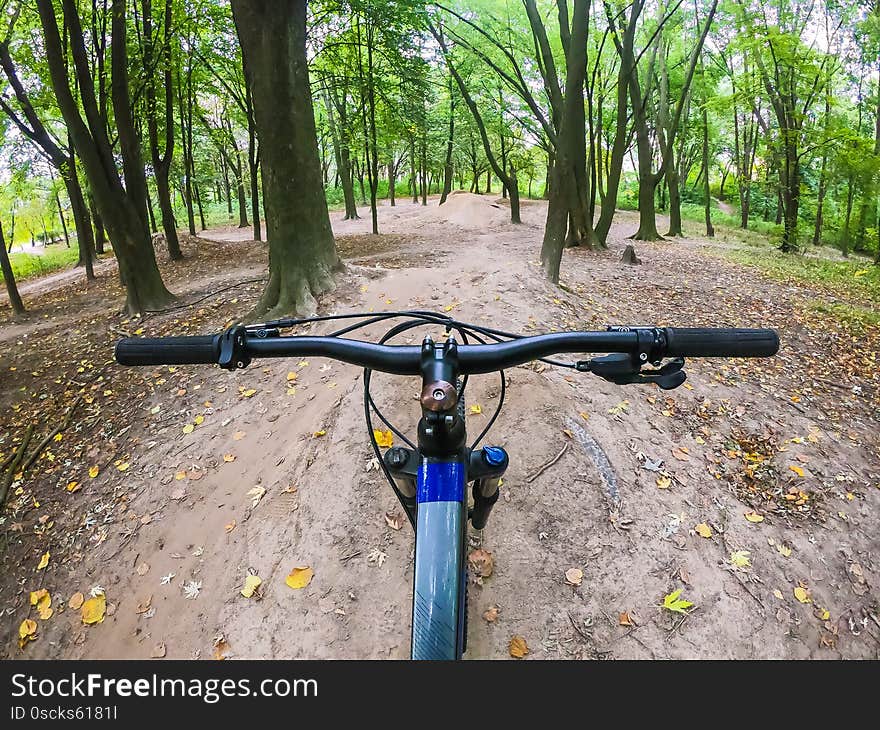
[473, 359]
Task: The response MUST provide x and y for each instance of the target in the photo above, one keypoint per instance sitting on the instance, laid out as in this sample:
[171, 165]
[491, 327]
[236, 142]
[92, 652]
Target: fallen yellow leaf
[797, 470]
[320, 433]
[291, 376]
[703, 530]
[476, 409]
[228, 458]
[238, 436]
[299, 577]
[189, 428]
[251, 583]
[664, 482]
[753, 517]
[44, 560]
[384, 439]
[36, 596]
[94, 609]
[123, 466]
[73, 487]
[740, 558]
[199, 420]
[249, 392]
[802, 594]
[230, 526]
[518, 647]
[93, 471]
[26, 632]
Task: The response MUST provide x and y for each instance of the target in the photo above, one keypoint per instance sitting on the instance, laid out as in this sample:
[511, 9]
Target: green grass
[28, 266]
[856, 319]
[857, 279]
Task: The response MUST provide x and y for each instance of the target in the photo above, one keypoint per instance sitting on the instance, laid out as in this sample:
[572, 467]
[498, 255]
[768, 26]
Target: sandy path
[324, 506]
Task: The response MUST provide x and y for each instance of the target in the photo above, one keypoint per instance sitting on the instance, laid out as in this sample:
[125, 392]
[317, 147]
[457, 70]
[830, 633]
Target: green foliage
[857, 278]
[28, 266]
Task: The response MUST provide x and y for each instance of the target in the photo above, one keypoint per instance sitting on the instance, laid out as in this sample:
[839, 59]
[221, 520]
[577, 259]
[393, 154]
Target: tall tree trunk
[226, 187]
[302, 252]
[710, 230]
[820, 202]
[152, 215]
[447, 166]
[184, 94]
[620, 142]
[122, 206]
[83, 225]
[198, 195]
[61, 218]
[341, 152]
[564, 197]
[98, 223]
[9, 278]
[161, 159]
[507, 178]
[253, 169]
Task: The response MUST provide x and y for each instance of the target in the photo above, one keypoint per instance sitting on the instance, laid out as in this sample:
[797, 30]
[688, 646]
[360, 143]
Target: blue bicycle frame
[438, 623]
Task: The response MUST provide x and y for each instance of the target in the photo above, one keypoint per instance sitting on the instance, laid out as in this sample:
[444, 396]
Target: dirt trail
[190, 513]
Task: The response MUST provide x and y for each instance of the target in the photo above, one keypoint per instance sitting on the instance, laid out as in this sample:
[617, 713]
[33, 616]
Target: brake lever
[621, 369]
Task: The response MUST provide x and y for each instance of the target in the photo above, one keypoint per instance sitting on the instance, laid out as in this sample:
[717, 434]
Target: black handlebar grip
[720, 342]
[202, 350]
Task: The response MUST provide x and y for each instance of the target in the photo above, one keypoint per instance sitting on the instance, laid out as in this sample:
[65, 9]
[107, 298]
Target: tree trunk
[122, 206]
[302, 252]
[61, 218]
[198, 195]
[392, 181]
[507, 179]
[161, 159]
[253, 171]
[342, 154]
[9, 278]
[564, 199]
[791, 194]
[447, 166]
[710, 230]
[82, 224]
[226, 187]
[152, 215]
[619, 145]
[672, 182]
[98, 223]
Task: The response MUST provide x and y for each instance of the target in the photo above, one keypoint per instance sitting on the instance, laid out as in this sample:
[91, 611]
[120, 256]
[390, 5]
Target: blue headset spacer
[494, 455]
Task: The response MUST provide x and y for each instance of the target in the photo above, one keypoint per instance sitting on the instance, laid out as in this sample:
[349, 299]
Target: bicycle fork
[430, 483]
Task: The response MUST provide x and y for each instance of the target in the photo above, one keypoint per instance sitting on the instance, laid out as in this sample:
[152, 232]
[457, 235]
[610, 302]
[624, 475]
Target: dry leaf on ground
[299, 577]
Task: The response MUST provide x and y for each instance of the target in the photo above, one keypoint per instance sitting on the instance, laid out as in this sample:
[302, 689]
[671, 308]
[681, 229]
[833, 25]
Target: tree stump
[629, 256]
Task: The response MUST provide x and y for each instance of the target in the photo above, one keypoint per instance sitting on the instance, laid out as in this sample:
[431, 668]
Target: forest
[124, 119]
[175, 167]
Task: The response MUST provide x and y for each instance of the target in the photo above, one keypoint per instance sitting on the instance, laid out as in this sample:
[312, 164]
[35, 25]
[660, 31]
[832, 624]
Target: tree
[122, 205]
[161, 158]
[9, 277]
[302, 252]
[507, 176]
